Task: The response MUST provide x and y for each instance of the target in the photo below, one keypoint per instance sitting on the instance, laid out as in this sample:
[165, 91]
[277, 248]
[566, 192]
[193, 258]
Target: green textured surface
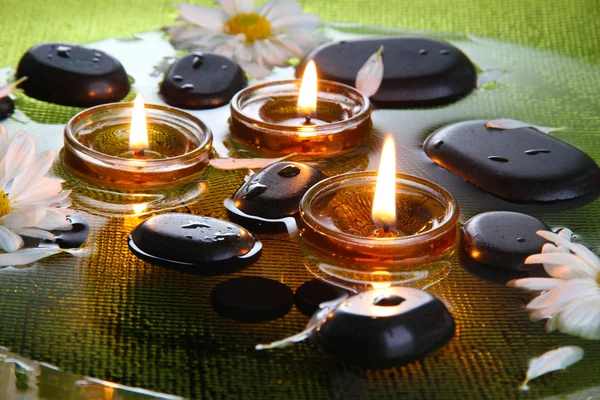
[109, 315]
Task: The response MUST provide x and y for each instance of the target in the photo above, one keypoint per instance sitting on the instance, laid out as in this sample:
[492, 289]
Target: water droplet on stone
[521, 240]
[423, 51]
[63, 51]
[187, 86]
[536, 151]
[438, 144]
[189, 237]
[177, 78]
[95, 59]
[197, 61]
[194, 225]
[288, 171]
[444, 52]
[254, 190]
[498, 159]
[98, 55]
[224, 67]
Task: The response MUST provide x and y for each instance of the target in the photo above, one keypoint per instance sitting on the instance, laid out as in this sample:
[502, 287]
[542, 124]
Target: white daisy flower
[257, 39]
[31, 205]
[571, 297]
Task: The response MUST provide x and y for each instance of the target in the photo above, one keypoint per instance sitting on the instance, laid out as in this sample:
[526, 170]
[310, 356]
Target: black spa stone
[311, 294]
[72, 75]
[76, 236]
[202, 80]
[252, 299]
[7, 107]
[386, 328]
[275, 191]
[520, 165]
[417, 71]
[503, 239]
[193, 243]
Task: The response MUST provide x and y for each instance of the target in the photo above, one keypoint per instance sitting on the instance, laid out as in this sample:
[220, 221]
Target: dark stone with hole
[72, 75]
[199, 81]
[418, 72]
[76, 236]
[385, 328]
[252, 299]
[194, 244]
[521, 165]
[275, 191]
[503, 239]
[311, 294]
[7, 107]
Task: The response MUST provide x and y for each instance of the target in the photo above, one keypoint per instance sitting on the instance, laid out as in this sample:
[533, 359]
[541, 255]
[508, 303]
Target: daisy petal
[536, 283]
[581, 251]
[21, 150]
[27, 256]
[582, 319]
[40, 167]
[256, 71]
[554, 360]
[302, 21]
[24, 217]
[577, 266]
[270, 53]
[564, 293]
[3, 141]
[233, 7]
[54, 220]
[204, 17]
[370, 75]
[44, 187]
[9, 241]
[35, 233]
[277, 8]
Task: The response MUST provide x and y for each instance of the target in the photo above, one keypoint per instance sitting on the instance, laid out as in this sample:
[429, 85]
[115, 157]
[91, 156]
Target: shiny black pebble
[275, 191]
[199, 81]
[503, 239]
[72, 75]
[510, 165]
[7, 107]
[311, 294]
[76, 236]
[384, 328]
[252, 299]
[194, 244]
[417, 71]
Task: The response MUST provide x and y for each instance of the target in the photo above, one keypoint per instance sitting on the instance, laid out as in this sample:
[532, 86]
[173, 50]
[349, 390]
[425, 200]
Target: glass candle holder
[97, 147]
[335, 222]
[265, 117]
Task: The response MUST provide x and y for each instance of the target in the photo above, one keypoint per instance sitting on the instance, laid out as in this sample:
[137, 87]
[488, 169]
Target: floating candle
[312, 117]
[385, 217]
[136, 146]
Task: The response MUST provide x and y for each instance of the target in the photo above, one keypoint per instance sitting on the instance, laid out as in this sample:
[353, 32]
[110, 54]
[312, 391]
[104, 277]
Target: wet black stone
[200, 81]
[417, 71]
[510, 165]
[72, 75]
[194, 243]
[252, 299]
[408, 325]
[503, 239]
[7, 107]
[275, 191]
[76, 236]
[311, 294]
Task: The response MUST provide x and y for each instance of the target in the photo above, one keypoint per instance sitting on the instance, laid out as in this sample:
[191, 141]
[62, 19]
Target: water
[516, 82]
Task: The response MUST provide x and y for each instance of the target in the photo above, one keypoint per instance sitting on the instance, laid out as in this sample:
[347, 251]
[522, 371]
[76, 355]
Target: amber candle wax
[97, 147]
[336, 220]
[266, 118]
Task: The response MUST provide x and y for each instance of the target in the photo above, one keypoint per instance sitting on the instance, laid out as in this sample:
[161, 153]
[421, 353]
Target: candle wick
[307, 122]
[139, 153]
[386, 228]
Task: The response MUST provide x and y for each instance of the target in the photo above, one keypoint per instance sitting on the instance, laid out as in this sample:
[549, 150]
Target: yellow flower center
[5, 207]
[252, 25]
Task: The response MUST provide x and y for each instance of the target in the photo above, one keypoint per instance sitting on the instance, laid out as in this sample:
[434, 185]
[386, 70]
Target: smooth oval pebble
[275, 191]
[503, 239]
[501, 162]
[7, 107]
[417, 71]
[312, 293]
[200, 81]
[192, 239]
[252, 299]
[384, 328]
[72, 75]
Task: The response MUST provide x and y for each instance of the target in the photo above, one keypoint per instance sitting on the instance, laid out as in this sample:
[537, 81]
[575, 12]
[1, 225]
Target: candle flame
[384, 202]
[307, 100]
[138, 133]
